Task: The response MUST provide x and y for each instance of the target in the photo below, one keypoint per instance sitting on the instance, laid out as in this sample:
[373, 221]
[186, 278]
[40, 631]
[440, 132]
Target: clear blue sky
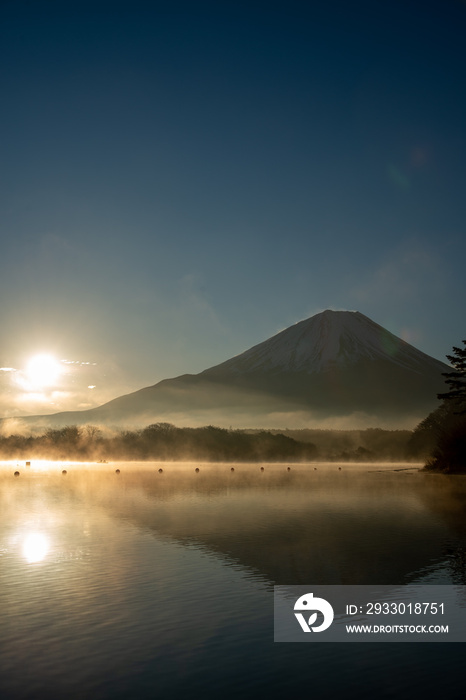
[180, 181]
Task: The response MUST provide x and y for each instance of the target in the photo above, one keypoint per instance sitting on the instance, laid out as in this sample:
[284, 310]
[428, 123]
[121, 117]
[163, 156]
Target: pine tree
[456, 379]
[443, 432]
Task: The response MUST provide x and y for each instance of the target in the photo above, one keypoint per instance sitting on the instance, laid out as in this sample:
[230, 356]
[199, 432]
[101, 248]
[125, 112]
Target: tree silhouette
[456, 379]
[449, 420]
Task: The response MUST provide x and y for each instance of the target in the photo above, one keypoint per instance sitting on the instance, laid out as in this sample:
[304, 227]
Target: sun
[43, 370]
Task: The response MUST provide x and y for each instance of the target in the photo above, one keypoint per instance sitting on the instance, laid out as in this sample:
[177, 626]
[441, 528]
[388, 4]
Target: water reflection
[325, 527]
[148, 585]
[35, 547]
[366, 525]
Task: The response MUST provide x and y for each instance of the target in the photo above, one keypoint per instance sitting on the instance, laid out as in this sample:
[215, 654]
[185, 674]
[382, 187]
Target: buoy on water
[117, 471]
[16, 474]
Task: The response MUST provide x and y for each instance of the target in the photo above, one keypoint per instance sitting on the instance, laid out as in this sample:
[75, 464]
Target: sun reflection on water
[35, 547]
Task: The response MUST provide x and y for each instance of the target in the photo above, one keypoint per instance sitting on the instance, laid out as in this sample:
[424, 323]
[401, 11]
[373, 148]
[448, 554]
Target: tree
[456, 379]
[448, 422]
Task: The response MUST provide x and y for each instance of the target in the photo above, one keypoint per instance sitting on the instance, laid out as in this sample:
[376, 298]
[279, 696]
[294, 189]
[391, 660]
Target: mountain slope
[325, 341]
[337, 364]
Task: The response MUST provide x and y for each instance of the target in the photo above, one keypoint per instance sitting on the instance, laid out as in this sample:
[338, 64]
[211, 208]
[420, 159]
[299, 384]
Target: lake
[148, 585]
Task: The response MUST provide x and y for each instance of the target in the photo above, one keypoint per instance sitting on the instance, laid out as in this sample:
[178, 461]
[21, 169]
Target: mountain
[336, 368]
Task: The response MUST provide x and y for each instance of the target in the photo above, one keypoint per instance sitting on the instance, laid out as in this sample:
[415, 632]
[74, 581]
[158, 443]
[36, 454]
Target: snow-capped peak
[328, 339]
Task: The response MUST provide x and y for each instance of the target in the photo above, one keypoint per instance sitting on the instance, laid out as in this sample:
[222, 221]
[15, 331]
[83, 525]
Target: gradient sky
[180, 181]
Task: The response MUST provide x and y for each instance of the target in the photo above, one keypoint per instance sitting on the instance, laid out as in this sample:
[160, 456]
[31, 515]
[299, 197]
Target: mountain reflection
[357, 526]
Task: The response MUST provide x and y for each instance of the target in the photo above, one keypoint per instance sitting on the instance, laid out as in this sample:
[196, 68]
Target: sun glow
[43, 371]
[35, 547]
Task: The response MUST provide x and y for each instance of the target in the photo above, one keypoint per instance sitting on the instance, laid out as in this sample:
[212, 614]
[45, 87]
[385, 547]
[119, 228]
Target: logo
[308, 603]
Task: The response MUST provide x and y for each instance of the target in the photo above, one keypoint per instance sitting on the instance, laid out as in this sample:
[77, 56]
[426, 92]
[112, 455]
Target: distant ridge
[337, 366]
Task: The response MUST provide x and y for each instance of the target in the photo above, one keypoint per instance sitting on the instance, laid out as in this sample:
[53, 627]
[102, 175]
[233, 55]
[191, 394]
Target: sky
[181, 181]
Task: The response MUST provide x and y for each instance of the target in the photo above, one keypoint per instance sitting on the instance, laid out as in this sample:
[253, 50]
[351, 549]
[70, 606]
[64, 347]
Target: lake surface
[149, 585]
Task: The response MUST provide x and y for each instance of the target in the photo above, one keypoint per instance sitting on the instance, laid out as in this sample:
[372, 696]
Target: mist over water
[148, 583]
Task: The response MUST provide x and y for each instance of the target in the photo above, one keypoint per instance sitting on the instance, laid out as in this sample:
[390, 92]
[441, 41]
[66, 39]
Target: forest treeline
[164, 441]
[370, 444]
[160, 441]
